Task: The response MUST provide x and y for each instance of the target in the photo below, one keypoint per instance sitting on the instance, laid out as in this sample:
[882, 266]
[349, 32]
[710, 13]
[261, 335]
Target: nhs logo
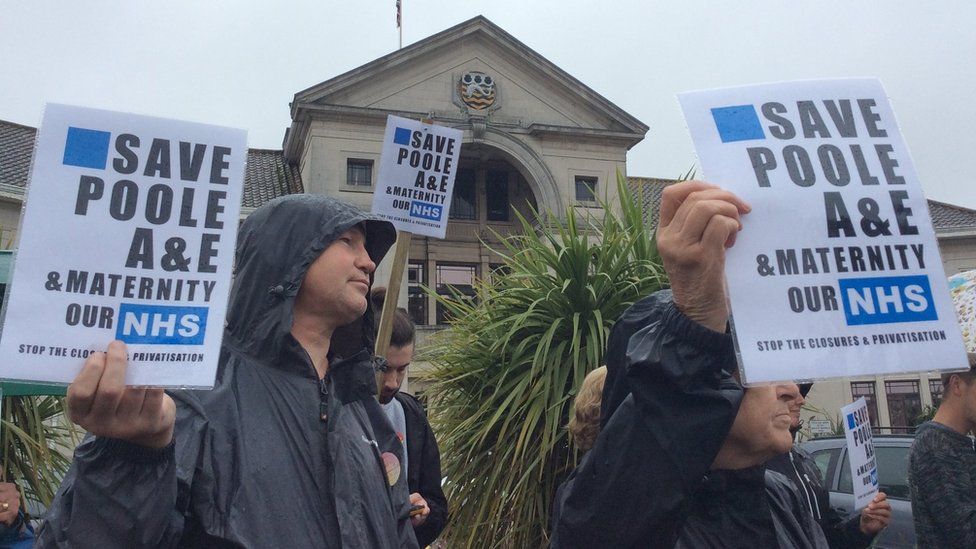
[161, 325]
[424, 210]
[888, 299]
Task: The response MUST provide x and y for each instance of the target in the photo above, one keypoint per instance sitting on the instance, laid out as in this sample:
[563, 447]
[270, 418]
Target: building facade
[534, 139]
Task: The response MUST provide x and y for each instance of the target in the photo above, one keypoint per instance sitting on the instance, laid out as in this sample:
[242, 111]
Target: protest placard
[416, 176]
[837, 270]
[128, 233]
[860, 451]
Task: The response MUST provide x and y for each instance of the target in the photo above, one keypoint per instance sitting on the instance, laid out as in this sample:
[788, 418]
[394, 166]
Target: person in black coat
[679, 458]
[857, 531]
[423, 461]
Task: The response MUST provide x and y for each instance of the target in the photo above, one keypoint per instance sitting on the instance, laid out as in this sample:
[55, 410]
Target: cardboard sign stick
[390, 302]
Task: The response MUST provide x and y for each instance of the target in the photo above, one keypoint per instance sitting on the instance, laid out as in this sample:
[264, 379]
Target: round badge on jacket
[392, 465]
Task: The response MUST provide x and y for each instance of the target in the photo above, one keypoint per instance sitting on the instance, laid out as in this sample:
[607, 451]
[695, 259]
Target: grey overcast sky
[239, 63]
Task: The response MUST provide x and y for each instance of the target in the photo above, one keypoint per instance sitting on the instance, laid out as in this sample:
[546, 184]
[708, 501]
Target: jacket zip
[806, 493]
[324, 399]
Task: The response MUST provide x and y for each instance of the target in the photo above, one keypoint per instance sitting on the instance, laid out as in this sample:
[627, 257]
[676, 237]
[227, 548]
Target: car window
[825, 460]
[892, 472]
[845, 485]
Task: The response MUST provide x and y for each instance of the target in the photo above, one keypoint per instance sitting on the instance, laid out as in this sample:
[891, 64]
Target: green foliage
[505, 372]
[37, 442]
[925, 414]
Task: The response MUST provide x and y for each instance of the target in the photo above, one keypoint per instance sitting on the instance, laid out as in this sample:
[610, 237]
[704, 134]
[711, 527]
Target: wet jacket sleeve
[841, 533]
[429, 487]
[634, 486]
[118, 494]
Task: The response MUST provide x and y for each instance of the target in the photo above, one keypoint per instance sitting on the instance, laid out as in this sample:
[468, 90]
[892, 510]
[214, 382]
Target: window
[904, 405]
[585, 189]
[359, 173]
[496, 195]
[866, 389]
[826, 460]
[454, 280]
[892, 462]
[416, 297]
[935, 389]
[464, 203]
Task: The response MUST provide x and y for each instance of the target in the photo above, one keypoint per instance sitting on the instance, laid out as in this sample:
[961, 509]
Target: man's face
[336, 283]
[968, 393]
[795, 406]
[397, 358]
[762, 426]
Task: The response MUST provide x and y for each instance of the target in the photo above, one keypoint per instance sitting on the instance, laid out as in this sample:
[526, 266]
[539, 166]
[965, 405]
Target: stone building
[534, 137]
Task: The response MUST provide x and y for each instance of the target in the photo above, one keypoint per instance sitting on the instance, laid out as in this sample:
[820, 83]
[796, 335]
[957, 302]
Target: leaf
[505, 371]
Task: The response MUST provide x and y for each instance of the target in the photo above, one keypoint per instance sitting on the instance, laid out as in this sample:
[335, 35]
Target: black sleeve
[429, 487]
[841, 533]
[118, 494]
[634, 486]
[424, 475]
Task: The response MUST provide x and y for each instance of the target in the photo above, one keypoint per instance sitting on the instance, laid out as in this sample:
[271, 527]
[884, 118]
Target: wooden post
[390, 302]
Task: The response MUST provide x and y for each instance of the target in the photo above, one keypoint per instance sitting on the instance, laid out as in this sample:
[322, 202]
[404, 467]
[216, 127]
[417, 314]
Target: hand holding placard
[99, 401]
[698, 221]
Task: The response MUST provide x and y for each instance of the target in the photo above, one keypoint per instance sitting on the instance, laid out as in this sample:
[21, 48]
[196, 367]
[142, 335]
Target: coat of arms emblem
[477, 90]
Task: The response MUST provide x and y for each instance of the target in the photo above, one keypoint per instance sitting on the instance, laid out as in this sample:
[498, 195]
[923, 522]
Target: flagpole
[400, 21]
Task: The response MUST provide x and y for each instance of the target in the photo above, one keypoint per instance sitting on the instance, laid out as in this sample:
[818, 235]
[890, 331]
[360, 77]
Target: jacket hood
[276, 244]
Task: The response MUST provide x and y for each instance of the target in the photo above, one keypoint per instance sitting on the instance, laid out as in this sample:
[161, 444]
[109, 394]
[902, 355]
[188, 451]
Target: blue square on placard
[850, 421]
[401, 136]
[738, 123]
[86, 148]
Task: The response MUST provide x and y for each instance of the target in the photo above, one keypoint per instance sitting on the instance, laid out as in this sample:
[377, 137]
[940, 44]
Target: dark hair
[403, 328]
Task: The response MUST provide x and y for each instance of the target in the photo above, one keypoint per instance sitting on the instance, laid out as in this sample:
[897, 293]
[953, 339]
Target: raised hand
[698, 222]
[99, 401]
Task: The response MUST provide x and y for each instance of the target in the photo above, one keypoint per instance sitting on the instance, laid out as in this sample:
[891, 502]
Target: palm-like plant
[37, 441]
[505, 372]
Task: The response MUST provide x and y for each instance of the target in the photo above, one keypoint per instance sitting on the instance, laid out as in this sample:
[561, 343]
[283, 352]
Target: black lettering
[842, 115]
[158, 162]
[837, 217]
[902, 212]
[888, 164]
[214, 208]
[782, 128]
[190, 163]
[123, 203]
[218, 165]
[186, 209]
[159, 204]
[141, 250]
[763, 161]
[799, 166]
[870, 117]
[810, 120]
[89, 188]
[833, 164]
[208, 251]
[129, 162]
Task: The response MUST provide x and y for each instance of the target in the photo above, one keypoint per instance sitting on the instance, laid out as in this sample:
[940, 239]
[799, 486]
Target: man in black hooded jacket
[678, 462]
[289, 449]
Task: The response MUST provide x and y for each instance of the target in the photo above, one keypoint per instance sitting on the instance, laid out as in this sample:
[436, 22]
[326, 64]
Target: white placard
[128, 233]
[416, 178]
[820, 427]
[837, 270]
[860, 451]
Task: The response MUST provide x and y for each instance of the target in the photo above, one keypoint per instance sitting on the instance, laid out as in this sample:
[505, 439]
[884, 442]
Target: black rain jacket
[647, 481]
[272, 456]
[424, 464]
[798, 466]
